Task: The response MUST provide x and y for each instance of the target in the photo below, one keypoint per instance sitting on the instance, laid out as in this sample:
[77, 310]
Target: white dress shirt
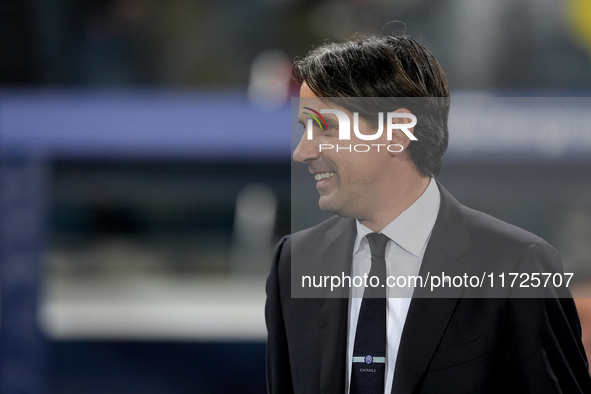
[409, 234]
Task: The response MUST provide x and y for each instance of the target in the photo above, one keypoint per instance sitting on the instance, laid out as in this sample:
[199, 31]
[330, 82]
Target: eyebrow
[329, 123]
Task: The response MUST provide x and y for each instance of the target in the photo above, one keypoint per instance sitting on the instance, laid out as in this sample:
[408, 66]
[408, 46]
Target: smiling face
[351, 184]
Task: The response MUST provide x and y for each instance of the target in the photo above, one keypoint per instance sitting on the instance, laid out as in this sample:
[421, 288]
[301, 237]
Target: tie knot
[377, 244]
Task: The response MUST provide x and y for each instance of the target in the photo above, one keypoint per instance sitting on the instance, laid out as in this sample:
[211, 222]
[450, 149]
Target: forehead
[305, 91]
[309, 100]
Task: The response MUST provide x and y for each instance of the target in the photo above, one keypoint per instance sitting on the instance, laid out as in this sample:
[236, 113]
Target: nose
[306, 150]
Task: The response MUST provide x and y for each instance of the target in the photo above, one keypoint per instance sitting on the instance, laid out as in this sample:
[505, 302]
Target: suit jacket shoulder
[479, 242]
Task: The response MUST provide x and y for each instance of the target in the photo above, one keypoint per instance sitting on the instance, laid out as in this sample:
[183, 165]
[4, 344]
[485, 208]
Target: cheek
[360, 173]
[369, 164]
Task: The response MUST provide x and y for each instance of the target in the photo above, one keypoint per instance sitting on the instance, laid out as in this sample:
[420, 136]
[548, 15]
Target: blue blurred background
[145, 170]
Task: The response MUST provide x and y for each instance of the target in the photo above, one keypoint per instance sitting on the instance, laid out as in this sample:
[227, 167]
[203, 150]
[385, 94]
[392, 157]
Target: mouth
[323, 175]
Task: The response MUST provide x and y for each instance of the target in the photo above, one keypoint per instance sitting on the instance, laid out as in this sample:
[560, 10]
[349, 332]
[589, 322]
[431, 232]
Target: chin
[332, 205]
[328, 204]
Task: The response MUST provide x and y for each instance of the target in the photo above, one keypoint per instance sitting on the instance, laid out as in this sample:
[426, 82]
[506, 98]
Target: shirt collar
[411, 229]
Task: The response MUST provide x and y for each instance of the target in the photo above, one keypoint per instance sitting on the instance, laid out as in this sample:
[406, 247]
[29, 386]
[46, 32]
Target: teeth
[323, 175]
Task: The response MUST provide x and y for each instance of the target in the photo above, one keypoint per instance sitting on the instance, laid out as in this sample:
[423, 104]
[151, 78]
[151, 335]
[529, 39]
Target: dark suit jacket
[451, 345]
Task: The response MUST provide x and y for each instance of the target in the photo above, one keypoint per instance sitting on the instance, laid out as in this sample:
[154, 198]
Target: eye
[332, 129]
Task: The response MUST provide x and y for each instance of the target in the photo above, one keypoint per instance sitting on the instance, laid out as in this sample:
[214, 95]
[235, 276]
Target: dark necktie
[369, 352]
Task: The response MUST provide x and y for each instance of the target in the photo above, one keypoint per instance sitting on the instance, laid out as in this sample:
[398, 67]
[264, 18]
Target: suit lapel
[425, 324]
[428, 317]
[334, 312]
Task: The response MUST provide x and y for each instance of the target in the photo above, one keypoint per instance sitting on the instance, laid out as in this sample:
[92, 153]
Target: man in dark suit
[318, 338]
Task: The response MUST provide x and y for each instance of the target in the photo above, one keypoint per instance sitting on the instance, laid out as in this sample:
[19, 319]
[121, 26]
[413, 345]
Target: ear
[400, 139]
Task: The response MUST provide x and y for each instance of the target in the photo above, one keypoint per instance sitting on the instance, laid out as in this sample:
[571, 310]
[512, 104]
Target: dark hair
[394, 67]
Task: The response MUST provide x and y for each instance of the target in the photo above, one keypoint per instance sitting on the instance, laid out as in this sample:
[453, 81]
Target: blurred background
[145, 169]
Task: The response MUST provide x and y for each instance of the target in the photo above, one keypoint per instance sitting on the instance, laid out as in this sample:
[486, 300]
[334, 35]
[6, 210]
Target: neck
[402, 196]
